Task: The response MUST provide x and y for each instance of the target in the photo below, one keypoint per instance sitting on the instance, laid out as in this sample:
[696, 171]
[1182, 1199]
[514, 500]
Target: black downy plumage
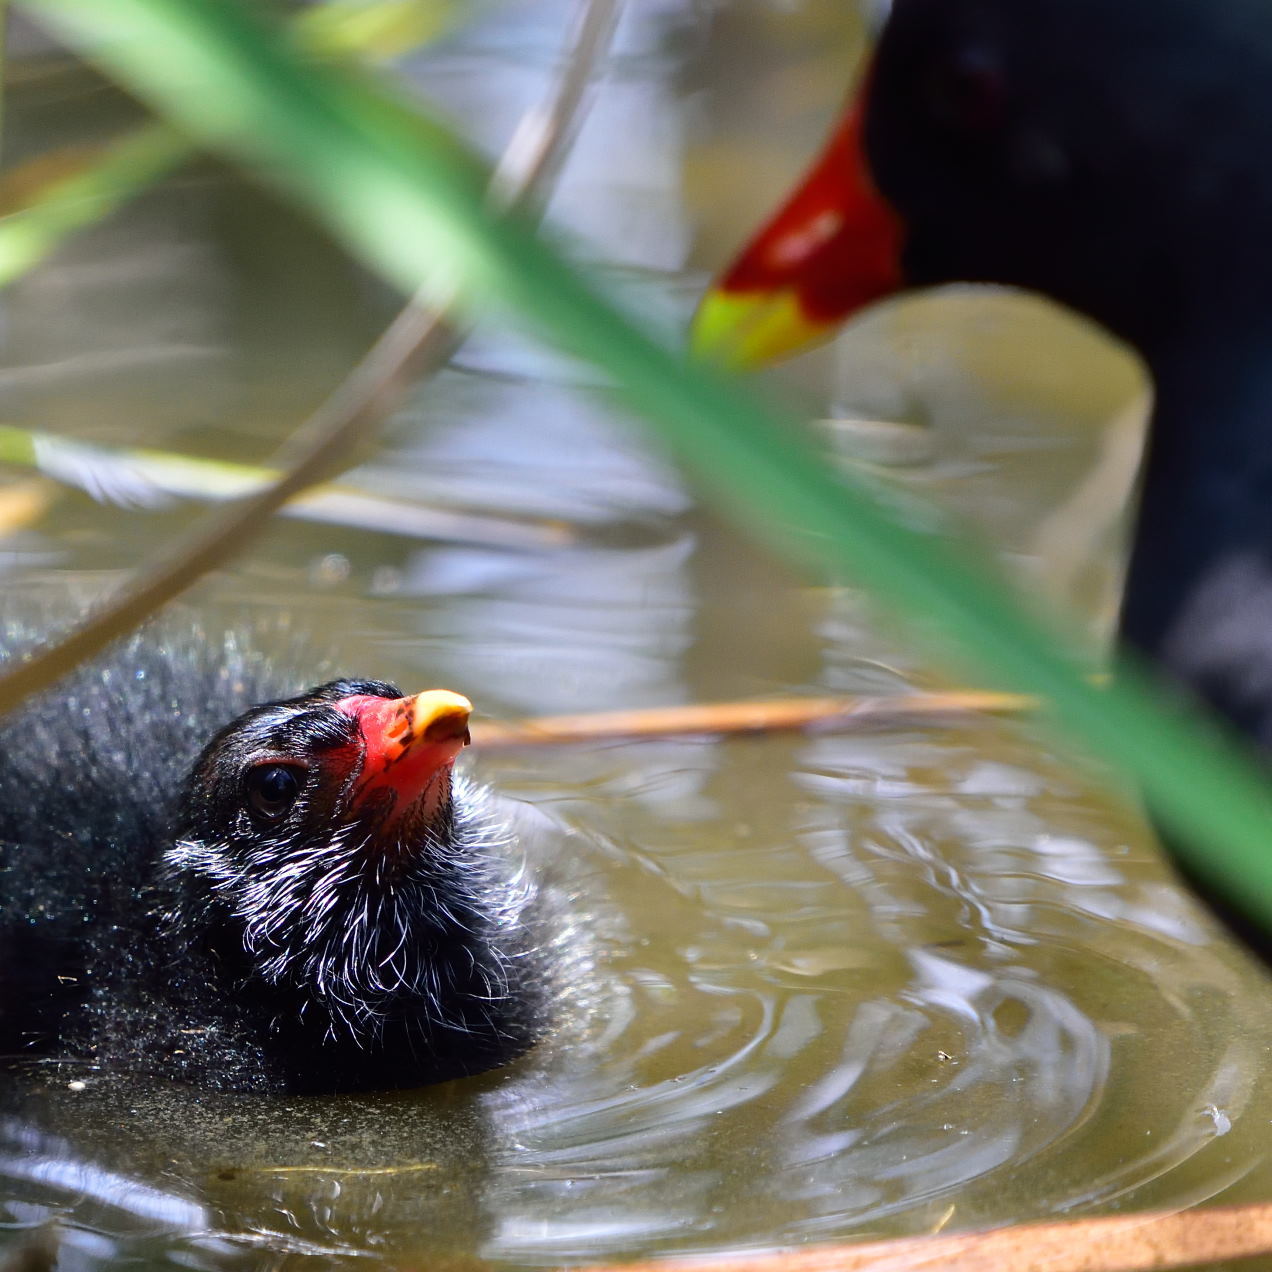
[294, 896]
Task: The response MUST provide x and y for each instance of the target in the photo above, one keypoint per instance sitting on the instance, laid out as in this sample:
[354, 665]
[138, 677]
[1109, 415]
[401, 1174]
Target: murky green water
[839, 985]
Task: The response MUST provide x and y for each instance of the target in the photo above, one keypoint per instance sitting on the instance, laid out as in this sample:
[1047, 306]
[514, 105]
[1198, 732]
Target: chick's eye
[272, 789]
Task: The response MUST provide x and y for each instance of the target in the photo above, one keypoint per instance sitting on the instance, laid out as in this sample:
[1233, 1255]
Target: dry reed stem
[778, 715]
[1125, 1243]
[420, 340]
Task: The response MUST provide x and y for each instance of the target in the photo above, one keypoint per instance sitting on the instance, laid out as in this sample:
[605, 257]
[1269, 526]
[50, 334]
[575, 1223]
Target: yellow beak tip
[439, 713]
[719, 321]
[744, 330]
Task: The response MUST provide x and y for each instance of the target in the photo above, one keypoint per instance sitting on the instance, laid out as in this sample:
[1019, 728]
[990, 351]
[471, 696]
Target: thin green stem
[417, 342]
[137, 160]
[82, 199]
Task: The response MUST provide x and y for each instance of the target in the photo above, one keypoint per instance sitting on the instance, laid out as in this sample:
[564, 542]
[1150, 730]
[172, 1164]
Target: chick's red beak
[411, 744]
[834, 247]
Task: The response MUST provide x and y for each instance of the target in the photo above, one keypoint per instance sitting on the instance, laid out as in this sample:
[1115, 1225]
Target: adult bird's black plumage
[1113, 156]
[294, 896]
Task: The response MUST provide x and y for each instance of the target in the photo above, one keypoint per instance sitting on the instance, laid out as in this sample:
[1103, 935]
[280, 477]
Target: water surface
[868, 984]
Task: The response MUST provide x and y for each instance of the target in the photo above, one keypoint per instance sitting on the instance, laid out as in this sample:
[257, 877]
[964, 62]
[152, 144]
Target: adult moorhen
[299, 899]
[1113, 156]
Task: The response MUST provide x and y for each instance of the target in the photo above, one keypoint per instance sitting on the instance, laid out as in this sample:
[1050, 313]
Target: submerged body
[289, 898]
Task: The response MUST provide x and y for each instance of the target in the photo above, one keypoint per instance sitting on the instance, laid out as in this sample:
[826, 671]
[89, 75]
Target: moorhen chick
[290, 897]
[1112, 156]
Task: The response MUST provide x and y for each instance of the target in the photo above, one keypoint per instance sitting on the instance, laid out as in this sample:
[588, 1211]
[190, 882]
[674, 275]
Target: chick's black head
[336, 761]
[323, 854]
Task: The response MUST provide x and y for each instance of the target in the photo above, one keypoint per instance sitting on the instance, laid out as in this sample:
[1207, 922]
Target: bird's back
[90, 775]
[133, 937]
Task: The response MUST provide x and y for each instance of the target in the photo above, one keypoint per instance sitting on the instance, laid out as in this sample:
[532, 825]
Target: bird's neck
[1199, 590]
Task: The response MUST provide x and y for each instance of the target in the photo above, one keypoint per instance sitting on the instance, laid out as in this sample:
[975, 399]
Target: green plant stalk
[137, 160]
[165, 475]
[74, 202]
[382, 28]
[408, 198]
[17, 447]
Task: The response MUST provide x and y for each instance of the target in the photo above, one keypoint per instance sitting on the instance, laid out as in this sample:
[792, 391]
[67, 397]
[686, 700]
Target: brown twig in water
[776, 715]
[411, 1168]
[1124, 1243]
[34, 1253]
[418, 341]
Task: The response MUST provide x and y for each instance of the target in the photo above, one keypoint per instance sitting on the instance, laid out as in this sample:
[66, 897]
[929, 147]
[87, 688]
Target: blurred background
[843, 985]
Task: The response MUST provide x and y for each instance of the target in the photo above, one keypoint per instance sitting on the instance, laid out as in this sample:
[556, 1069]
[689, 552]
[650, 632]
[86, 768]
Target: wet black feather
[146, 923]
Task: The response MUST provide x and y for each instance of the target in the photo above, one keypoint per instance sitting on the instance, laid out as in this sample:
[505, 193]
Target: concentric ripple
[819, 988]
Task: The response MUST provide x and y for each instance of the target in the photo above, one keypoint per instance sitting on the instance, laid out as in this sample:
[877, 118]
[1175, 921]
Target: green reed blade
[126, 167]
[80, 199]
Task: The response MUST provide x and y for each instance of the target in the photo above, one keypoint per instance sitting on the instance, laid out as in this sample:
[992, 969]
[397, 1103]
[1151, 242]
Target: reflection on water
[842, 1000]
[843, 985]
